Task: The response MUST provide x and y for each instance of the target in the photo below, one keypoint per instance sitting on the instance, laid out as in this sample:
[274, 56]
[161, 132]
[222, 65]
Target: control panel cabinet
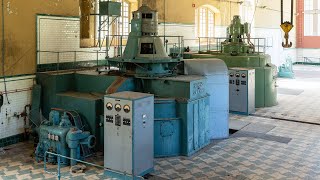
[242, 90]
[128, 134]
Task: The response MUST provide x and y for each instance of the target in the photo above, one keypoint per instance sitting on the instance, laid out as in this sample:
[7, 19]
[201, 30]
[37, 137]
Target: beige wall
[184, 12]
[20, 24]
[20, 30]
[269, 17]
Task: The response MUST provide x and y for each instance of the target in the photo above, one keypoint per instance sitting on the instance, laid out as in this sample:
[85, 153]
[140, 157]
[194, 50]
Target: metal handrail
[75, 53]
[80, 161]
[214, 43]
[72, 51]
[119, 45]
[309, 59]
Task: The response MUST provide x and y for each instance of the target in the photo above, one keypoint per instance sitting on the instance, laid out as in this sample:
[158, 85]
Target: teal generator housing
[238, 51]
[181, 106]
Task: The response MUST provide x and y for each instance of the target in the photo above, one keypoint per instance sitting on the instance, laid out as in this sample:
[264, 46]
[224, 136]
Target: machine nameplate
[126, 122]
[109, 118]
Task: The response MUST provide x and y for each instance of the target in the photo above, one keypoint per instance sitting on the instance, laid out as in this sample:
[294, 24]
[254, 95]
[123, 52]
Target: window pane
[210, 23]
[318, 33]
[308, 5]
[202, 22]
[308, 24]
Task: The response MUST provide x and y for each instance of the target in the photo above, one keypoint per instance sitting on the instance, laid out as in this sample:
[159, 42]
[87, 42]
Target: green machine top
[237, 50]
[234, 43]
[144, 55]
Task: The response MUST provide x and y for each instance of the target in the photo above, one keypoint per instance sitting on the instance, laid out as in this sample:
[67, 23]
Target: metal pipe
[84, 162]
[15, 91]
[4, 52]
[59, 164]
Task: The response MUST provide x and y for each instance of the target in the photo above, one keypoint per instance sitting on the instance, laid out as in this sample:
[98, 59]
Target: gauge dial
[109, 106]
[126, 108]
[118, 107]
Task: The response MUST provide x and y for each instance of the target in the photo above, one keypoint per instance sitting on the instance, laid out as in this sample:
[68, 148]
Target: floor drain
[232, 131]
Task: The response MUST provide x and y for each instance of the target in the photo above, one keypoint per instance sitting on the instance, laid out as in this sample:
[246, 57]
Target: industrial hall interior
[160, 89]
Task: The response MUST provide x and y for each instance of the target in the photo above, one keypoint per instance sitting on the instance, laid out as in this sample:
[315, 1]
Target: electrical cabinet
[128, 134]
[242, 90]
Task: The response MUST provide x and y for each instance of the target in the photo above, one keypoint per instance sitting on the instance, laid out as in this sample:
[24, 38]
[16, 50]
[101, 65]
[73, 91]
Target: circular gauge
[109, 106]
[237, 75]
[231, 75]
[126, 108]
[243, 75]
[118, 107]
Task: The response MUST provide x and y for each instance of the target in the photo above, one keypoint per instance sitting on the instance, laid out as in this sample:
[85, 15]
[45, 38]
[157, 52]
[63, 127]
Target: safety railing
[59, 156]
[60, 60]
[214, 44]
[173, 45]
[311, 60]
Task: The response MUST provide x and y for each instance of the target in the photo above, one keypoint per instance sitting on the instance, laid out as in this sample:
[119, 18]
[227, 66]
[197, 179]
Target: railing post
[166, 44]
[199, 45]
[258, 46]
[265, 44]
[58, 59]
[97, 58]
[217, 44]
[153, 46]
[121, 37]
[207, 44]
[39, 57]
[59, 173]
[179, 41]
[182, 45]
[75, 59]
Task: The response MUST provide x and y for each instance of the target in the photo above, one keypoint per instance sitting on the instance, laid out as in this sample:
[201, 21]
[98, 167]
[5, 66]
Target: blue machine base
[112, 174]
[191, 153]
[286, 74]
[240, 113]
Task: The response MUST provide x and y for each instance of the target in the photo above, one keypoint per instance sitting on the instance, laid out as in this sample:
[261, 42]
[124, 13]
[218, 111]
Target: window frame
[204, 27]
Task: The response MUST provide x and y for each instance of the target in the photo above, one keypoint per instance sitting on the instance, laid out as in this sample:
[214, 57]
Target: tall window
[121, 27]
[204, 22]
[311, 18]
[247, 11]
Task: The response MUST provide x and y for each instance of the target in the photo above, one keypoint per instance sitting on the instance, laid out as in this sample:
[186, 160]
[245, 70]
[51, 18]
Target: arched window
[204, 22]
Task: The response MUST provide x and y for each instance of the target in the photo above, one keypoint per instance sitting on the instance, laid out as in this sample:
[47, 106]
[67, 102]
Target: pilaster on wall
[300, 5]
[87, 23]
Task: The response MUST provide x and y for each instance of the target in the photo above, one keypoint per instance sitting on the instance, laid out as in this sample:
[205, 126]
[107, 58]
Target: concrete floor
[280, 142]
